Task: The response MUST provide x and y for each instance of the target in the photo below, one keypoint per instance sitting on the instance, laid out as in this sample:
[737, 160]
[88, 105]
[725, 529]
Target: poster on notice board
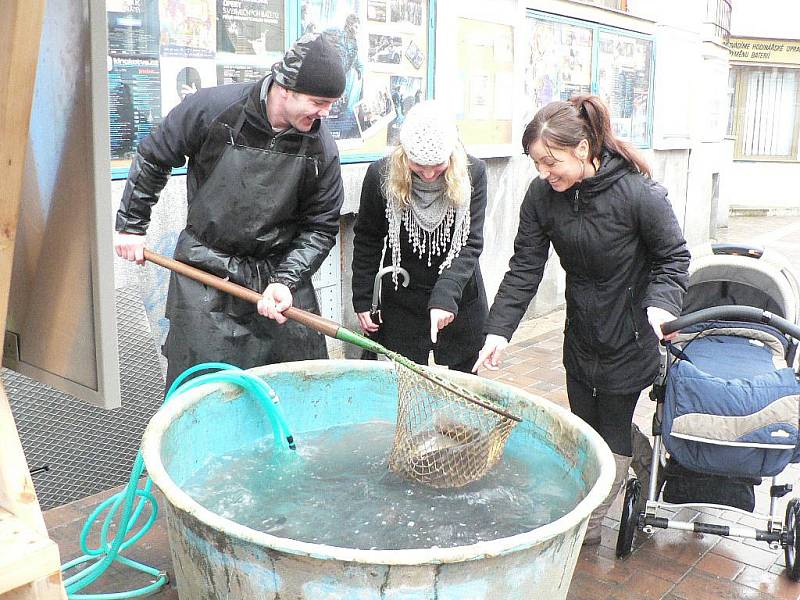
[383, 45]
[160, 51]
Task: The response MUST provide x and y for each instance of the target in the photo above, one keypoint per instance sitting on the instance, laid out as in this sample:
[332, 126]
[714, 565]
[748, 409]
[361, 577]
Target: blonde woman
[425, 202]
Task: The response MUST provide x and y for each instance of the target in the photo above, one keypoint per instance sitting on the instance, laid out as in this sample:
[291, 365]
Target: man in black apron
[264, 191]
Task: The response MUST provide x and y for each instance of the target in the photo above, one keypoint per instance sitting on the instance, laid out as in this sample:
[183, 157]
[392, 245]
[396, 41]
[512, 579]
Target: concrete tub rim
[180, 500]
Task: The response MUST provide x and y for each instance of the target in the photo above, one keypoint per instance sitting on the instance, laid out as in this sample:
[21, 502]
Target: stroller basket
[682, 485]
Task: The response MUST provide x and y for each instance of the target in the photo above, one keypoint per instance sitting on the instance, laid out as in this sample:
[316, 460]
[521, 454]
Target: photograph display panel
[559, 64]
[568, 57]
[624, 69]
[384, 50]
[159, 51]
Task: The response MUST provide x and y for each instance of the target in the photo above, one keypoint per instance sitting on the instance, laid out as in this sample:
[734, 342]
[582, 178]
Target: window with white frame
[766, 113]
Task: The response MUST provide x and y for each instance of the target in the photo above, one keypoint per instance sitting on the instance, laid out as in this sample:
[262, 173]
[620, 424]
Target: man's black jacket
[186, 132]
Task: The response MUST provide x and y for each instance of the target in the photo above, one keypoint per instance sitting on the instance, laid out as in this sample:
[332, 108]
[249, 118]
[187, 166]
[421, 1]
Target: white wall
[682, 14]
[690, 115]
[764, 185]
[670, 168]
[677, 71]
[778, 19]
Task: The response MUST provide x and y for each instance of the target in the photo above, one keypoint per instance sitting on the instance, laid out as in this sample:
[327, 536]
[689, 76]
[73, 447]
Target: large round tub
[215, 558]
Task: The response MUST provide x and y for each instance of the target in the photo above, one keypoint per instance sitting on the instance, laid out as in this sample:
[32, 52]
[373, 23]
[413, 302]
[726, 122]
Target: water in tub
[340, 492]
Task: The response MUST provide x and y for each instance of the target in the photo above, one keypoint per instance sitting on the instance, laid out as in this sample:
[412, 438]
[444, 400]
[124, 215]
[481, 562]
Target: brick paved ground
[668, 564]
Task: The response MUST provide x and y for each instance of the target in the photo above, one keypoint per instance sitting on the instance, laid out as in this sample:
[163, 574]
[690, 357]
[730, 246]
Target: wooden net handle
[315, 322]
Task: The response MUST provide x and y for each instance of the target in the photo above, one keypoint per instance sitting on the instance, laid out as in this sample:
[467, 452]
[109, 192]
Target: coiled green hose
[105, 554]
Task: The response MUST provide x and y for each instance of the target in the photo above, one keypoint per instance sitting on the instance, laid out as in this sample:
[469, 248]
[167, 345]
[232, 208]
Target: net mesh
[443, 439]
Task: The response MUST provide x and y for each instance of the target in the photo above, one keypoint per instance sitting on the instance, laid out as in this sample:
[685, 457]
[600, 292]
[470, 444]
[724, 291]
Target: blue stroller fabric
[729, 408]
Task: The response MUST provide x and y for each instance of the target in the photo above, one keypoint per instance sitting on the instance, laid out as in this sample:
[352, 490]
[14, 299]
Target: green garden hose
[105, 554]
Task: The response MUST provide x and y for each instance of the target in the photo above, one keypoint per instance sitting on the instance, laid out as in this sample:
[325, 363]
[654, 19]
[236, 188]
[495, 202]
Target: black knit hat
[311, 66]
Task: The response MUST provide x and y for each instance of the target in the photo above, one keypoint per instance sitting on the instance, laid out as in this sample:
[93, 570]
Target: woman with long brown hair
[626, 261]
[426, 203]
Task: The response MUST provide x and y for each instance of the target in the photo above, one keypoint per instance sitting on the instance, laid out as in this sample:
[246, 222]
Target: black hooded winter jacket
[622, 249]
[299, 244]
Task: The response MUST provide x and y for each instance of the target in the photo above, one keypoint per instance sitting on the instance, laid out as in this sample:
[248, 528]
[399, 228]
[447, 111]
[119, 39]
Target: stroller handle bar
[733, 313]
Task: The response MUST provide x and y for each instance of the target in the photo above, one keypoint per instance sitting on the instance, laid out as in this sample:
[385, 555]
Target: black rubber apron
[240, 224]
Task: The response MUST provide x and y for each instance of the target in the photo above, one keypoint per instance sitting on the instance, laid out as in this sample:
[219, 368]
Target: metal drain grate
[89, 449]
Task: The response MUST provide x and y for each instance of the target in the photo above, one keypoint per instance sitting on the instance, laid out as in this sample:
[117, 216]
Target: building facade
[765, 107]
[662, 67]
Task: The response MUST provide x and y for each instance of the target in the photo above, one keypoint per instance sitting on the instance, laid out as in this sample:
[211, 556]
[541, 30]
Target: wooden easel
[29, 560]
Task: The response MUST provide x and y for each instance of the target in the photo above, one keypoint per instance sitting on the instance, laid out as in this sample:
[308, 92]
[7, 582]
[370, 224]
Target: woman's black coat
[622, 249]
[459, 288]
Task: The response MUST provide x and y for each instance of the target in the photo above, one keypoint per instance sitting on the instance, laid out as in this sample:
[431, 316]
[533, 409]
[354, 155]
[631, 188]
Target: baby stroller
[728, 402]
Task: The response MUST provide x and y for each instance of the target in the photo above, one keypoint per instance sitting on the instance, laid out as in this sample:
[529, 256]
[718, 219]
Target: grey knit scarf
[428, 220]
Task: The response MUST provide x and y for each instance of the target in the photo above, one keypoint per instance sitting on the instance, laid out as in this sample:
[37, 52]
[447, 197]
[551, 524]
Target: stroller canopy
[767, 283]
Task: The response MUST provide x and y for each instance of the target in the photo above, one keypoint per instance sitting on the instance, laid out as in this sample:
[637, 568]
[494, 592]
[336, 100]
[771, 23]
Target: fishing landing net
[446, 437]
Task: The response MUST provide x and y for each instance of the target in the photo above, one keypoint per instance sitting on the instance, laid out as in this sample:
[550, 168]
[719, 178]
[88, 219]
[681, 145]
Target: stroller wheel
[630, 518]
[792, 548]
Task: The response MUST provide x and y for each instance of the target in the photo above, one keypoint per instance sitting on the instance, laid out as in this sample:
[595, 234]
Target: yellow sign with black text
[761, 50]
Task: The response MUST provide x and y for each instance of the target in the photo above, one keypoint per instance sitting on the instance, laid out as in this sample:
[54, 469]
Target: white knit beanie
[429, 133]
